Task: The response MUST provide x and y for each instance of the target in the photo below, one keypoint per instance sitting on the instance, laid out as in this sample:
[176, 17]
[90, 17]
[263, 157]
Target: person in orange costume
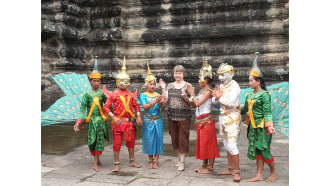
[122, 116]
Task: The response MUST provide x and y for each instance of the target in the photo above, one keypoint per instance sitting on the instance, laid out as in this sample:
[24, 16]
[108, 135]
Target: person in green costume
[260, 123]
[93, 100]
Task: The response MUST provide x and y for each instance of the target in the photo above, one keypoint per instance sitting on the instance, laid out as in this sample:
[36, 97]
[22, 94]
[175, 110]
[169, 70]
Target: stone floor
[75, 167]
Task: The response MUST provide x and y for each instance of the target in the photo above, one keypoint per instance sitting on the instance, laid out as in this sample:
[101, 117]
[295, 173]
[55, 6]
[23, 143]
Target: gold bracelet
[138, 114]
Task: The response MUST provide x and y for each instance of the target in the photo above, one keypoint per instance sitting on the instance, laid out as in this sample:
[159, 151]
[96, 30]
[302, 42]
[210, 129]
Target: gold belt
[153, 118]
[204, 119]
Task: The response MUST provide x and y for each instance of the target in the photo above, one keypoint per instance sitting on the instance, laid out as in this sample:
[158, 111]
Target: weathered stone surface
[167, 32]
[75, 167]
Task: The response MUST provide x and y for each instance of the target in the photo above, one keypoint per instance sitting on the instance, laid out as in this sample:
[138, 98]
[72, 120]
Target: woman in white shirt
[206, 143]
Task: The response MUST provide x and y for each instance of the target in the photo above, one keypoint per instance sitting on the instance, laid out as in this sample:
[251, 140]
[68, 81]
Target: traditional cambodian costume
[152, 128]
[258, 106]
[123, 104]
[230, 116]
[206, 143]
[96, 119]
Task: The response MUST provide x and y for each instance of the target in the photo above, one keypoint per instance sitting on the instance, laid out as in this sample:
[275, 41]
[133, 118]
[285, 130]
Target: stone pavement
[75, 168]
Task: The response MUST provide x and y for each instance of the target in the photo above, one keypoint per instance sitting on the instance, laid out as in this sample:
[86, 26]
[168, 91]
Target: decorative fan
[279, 93]
[66, 108]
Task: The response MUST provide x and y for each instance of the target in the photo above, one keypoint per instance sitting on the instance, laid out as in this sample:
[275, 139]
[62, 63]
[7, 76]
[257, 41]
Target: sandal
[181, 166]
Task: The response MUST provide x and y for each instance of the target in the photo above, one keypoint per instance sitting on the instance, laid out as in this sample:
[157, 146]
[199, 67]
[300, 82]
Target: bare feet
[204, 171]
[257, 178]
[272, 177]
[228, 172]
[150, 166]
[237, 178]
[116, 169]
[133, 164]
[96, 168]
[203, 167]
[155, 165]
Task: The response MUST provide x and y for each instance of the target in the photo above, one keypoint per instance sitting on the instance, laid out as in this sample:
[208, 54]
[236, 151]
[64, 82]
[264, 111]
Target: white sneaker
[180, 166]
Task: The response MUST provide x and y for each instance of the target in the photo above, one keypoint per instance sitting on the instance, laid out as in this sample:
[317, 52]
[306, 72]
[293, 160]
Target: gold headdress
[206, 70]
[95, 73]
[224, 67]
[150, 76]
[122, 75]
[255, 71]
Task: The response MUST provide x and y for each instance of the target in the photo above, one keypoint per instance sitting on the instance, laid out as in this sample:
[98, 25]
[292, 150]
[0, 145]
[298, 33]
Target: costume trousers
[125, 131]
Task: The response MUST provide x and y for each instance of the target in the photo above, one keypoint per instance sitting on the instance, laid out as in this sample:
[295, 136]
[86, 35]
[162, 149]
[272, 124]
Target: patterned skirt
[206, 144]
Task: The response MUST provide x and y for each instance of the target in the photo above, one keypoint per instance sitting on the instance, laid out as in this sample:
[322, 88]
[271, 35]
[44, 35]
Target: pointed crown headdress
[123, 74]
[206, 70]
[224, 67]
[95, 73]
[150, 76]
[255, 71]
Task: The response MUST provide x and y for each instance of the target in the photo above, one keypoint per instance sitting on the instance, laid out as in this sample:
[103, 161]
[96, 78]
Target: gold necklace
[202, 91]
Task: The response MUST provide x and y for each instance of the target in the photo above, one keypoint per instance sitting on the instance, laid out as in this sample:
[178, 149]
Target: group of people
[179, 97]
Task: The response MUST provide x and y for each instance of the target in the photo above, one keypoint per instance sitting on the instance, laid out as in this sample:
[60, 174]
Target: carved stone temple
[167, 32]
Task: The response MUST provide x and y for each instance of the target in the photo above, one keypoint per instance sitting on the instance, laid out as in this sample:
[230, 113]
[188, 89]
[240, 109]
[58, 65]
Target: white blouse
[205, 107]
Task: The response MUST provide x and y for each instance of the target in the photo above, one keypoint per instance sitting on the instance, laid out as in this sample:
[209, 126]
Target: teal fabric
[152, 133]
[66, 109]
[279, 93]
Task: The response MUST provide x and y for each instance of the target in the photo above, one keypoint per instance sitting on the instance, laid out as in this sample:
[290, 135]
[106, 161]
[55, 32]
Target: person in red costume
[122, 116]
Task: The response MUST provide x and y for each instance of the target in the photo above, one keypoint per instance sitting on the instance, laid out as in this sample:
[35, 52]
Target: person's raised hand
[162, 83]
[191, 90]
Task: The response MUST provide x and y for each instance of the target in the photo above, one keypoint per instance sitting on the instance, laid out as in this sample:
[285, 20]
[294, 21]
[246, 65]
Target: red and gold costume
[123, 104]
[206, 143]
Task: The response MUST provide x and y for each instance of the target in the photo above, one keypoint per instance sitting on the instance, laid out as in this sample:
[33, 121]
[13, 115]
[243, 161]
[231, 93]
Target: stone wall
[168, 33]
